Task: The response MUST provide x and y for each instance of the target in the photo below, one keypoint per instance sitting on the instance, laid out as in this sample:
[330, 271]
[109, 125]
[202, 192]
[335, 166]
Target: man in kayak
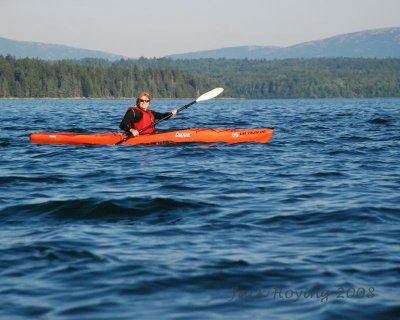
[140, 116]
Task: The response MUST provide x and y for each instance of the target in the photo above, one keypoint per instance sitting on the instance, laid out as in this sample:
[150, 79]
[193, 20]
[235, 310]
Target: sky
[156, 28]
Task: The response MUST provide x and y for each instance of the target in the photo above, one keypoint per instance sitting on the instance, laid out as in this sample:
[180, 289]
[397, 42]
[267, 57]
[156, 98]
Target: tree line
[293, 78]
[167, 78]
[33, 78]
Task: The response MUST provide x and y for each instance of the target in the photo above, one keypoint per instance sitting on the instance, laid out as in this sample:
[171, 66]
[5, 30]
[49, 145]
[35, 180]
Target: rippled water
[306, 226]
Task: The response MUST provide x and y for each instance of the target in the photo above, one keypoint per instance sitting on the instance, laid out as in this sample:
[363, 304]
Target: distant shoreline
[183, 99]
[133, 98]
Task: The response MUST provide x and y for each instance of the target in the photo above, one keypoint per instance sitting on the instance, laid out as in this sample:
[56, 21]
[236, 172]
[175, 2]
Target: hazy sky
[155, 28]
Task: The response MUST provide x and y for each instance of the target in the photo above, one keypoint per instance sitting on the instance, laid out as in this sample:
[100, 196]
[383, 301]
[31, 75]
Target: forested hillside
[31, 78]
[292, 78]
[166, 78]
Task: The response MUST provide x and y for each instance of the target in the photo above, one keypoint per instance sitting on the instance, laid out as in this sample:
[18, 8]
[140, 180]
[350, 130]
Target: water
[305, 227]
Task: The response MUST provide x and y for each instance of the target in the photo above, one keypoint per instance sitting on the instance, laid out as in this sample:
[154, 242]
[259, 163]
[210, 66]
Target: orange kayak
[176, 136]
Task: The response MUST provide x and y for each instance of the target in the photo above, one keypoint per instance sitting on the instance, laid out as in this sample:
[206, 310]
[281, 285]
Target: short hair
[141, 94]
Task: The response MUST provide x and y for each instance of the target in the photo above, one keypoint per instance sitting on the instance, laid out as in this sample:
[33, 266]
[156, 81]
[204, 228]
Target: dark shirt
[135, 116]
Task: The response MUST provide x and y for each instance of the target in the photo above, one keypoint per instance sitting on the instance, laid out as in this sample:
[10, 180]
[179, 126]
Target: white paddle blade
[210, 94]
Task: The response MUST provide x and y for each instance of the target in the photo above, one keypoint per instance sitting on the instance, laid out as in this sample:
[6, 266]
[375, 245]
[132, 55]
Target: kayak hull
[177, 136]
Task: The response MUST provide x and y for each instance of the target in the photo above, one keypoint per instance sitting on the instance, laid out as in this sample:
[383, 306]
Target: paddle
[206, 96]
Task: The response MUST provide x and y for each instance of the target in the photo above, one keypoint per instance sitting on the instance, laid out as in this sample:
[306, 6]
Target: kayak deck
[207, 135]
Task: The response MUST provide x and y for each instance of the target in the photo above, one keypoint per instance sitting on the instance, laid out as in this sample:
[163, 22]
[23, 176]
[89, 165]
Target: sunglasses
[143, 101]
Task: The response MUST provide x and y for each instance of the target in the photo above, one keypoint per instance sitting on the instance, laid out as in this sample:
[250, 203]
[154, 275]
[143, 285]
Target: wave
[93, 208]
[5, 142]
[379, 121]
[362, 214]
[27, 179]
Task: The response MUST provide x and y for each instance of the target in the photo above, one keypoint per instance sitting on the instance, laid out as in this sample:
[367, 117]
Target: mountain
[377, 43]
[24, 49]
[240, 52]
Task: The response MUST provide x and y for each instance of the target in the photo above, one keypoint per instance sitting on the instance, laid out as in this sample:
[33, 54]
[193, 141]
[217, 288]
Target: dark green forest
[166, 78]
[31, 78]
